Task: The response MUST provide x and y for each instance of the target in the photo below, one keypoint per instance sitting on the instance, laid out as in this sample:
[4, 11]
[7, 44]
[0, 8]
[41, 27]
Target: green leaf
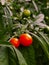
[3, 56]
[7, 56]
[4, 43]
[20, 57]
[42, 43]
[29, 54]
[45, 37]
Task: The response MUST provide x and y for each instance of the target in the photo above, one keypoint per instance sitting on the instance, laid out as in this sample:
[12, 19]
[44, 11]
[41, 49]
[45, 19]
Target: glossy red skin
[15, 42]
[26, 39]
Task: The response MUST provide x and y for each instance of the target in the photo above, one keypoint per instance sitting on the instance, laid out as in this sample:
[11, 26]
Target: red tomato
[15, 42]
[26, 39]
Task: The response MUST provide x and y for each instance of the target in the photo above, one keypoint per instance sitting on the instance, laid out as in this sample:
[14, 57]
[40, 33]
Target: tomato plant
[26, 39]
[24, 19]
[15, 42]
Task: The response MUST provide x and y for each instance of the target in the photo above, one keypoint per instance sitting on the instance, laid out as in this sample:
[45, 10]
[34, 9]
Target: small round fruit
[46, 29]
[26, 39]
[27, 12]
[15, 42]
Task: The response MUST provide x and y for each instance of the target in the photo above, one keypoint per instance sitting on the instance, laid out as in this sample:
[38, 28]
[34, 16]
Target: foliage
[13, 23]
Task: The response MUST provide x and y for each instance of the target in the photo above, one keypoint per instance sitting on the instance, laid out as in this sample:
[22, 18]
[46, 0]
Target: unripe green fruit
[26, 13]
[46, 29]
